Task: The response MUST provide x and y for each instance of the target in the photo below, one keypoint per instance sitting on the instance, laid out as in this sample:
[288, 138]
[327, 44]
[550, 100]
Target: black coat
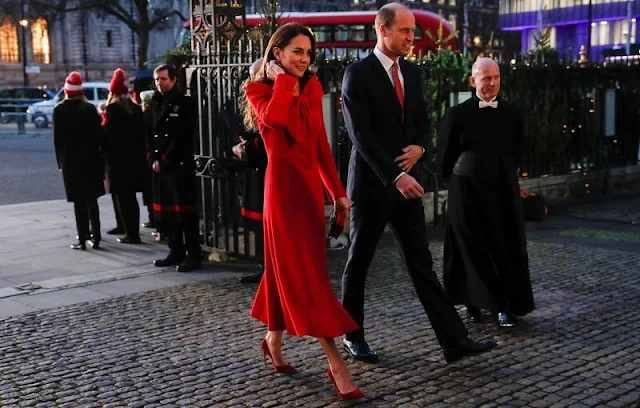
[379, 135]
[253, 198]
[124, 147]
[76, 136]
[170, 141]
[485, 255]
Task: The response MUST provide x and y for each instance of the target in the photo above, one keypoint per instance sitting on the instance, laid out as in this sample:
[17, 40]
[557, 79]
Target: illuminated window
[40, 42]
[8, 41]
[620, 29]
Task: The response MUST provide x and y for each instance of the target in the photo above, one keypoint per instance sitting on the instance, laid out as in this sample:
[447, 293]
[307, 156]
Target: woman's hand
[343, 204]
[273, 70]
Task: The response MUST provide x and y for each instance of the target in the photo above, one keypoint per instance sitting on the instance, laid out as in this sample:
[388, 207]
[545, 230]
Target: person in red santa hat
[76, 135]
[124, 140]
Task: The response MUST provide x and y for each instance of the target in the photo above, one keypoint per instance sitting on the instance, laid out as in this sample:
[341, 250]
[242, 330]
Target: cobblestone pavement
[195, 345]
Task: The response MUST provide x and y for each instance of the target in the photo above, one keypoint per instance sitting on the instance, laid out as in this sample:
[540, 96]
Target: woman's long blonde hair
[123, 100]
[280, 39]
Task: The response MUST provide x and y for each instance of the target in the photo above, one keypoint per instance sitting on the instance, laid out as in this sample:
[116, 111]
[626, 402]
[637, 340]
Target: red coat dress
[295, 293]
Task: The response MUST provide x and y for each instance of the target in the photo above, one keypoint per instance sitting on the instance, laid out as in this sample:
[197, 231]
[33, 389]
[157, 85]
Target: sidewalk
[154, 338]
[38, 270]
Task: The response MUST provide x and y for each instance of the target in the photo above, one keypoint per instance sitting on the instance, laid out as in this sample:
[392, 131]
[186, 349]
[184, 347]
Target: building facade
[602, 26]
[48, 47]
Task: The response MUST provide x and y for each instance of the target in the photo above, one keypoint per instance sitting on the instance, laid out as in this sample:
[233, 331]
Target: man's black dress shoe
[475, 314]
[189, 265]
[80, 245]
[115, 231]
[506, 321]
[129, 240]
[149, 224]
[466, 347]
[170, 260]
[254, 278]
[360, 350]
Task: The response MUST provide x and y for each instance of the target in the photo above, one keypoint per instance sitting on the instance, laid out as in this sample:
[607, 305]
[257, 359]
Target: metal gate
[221, 61]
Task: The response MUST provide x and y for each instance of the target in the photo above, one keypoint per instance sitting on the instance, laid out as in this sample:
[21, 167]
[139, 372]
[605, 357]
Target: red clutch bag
[336, 226]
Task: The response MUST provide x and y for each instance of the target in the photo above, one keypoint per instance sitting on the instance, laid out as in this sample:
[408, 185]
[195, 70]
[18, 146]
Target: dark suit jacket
[373, 117]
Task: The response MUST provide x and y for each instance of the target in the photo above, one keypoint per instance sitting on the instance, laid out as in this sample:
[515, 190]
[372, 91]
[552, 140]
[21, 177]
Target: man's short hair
[171, 70]
[387, 14]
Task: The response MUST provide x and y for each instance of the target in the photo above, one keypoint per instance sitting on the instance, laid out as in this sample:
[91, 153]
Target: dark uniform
[170, 141]
[76, 135]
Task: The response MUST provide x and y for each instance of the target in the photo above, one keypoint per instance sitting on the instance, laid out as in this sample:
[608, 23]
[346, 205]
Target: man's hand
[409, 187]
[412, 154]
[239, 149]
[156, 166]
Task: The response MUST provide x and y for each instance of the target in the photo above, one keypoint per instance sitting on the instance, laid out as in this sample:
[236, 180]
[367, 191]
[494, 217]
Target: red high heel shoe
[351, 395]
[282, 369]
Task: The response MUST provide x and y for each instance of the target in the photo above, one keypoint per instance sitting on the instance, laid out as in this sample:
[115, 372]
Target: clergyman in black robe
[480, 146]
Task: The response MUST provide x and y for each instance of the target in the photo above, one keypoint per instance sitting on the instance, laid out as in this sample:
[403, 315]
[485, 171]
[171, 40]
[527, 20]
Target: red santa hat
[117, 85]
[73, 84]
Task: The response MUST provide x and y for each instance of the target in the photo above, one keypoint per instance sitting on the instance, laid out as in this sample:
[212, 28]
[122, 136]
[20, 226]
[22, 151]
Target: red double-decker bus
[341, 32]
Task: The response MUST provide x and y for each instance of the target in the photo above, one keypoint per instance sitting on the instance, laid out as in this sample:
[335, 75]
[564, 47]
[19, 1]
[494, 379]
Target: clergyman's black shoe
[189, 265]
[170, 260]
[360, 350]
[466, 347]
[475, 314]
[253, 278]
[506, 320]
[116, 231]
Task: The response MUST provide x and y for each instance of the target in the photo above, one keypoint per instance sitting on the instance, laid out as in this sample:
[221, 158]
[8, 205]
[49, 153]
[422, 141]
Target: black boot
[170, 260]
[190, 264]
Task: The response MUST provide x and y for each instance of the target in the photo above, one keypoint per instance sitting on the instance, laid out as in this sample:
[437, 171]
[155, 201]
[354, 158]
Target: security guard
[170, 151]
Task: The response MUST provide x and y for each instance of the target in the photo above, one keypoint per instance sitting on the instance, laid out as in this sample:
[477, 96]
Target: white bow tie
[484, 104]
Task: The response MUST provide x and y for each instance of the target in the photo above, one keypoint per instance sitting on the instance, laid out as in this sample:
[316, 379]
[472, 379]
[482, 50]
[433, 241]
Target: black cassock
[485, 253]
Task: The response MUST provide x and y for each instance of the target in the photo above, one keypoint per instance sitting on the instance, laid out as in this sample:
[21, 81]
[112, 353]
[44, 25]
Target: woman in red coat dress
[285, 105]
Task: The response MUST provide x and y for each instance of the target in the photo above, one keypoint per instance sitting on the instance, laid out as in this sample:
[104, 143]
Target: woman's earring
[312, 69]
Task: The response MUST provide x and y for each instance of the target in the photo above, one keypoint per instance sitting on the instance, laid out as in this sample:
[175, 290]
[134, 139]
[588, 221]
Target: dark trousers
[147, 199]
[406, 219]
[86, 210]
[119, 224]
[128, 210]
[184, 236]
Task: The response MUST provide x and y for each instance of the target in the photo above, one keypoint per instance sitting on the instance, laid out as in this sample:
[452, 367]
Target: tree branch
[157, 20]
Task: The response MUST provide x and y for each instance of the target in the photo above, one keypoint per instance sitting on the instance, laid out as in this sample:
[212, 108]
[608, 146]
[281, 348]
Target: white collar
[384, 59]
[494, 98]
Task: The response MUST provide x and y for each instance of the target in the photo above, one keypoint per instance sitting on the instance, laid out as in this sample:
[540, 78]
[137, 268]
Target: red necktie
[398, 84]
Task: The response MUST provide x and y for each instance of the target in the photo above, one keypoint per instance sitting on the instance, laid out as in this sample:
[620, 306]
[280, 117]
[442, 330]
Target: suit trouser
[85, 210]
[129, 211]
[116, 211]
[406, 219]
[184, 236]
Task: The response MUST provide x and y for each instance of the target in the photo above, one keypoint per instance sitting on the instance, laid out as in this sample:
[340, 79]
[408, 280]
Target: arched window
[40, 41]
[8, 40]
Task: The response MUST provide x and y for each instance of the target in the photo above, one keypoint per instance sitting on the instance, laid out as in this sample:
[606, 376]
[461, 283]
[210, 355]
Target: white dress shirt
[387, 63]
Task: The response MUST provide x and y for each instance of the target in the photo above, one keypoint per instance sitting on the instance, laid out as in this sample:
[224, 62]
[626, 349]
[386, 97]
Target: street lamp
[24, 23]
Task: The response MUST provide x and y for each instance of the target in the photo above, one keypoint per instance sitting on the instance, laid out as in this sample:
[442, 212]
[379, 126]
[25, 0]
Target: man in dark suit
[485, 254]
[386, 123]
